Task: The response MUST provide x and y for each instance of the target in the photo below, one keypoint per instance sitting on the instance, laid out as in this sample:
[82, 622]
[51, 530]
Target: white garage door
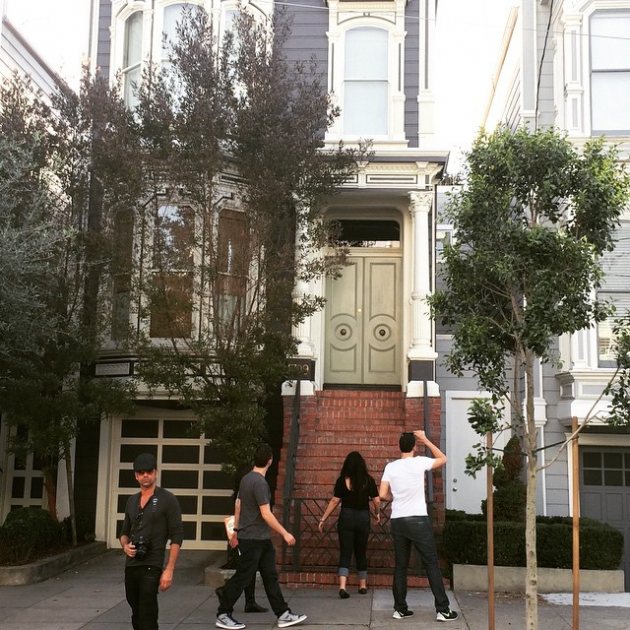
[187, 466]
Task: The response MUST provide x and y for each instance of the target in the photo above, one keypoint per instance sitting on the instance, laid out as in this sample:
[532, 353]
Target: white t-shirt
[406, 483]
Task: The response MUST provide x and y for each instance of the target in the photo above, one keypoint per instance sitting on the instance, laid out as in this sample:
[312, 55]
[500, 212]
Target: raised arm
[439, 459]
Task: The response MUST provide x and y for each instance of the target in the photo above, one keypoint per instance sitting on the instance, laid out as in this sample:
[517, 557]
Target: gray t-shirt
[253, 492]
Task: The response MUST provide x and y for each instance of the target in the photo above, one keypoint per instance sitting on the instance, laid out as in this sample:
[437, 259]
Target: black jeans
[256, 555]
[416, 531]
[141, 589]
[353, 528]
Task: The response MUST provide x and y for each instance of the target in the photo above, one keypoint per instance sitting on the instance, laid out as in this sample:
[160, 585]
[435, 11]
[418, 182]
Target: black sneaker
[446, 615]
[401, 614]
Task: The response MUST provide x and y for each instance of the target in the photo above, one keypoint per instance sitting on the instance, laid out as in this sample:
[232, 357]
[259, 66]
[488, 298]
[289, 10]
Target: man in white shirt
[403, 481]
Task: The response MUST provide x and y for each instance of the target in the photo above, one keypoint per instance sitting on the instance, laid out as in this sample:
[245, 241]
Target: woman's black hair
[355, 469]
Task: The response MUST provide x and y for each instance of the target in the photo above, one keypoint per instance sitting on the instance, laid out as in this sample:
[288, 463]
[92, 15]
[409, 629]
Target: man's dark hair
[262, 455]
[407, 442]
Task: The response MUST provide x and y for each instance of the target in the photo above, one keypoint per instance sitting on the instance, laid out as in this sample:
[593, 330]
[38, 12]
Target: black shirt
[158, 522]
[356, 499]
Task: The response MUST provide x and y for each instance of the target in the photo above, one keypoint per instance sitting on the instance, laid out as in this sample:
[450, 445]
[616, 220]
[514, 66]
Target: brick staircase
[331, 424]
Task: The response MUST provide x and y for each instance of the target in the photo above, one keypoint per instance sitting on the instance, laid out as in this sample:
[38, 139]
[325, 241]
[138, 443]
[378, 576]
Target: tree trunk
[73, 516]
[531, 583]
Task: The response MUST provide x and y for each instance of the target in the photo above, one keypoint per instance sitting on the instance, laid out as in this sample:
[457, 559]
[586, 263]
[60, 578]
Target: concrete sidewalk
[91, 596]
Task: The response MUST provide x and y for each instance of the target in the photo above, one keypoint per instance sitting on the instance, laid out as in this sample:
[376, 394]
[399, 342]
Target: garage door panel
[140, 428]
[187, 466]
[180, 454]
[212, 531]
[188, 504]
[179, 430]
[614, 506]
[592, 505]
[216, 479]
[217, 505]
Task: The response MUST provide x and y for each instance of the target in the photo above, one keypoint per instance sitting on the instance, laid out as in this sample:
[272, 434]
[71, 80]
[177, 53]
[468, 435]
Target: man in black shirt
[152, 517]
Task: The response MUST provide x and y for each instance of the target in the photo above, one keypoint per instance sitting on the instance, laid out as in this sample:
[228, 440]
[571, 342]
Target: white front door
[464, 492]
[362, 322]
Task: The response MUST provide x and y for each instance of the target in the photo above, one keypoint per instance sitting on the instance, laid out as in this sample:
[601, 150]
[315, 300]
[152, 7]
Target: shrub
[27, 534]
[601, 546]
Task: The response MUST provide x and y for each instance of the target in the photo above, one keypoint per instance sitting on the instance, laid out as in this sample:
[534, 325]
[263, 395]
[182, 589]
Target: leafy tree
[234, 168]
[531, 225]
[55, 223]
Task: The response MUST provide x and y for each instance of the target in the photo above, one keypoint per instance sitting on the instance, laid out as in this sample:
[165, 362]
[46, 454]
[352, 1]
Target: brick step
[320, 579]
[360, 395]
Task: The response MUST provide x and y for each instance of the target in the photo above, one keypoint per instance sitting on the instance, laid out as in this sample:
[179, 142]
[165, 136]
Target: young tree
[234, 161]
[54, 161]
[532, 223]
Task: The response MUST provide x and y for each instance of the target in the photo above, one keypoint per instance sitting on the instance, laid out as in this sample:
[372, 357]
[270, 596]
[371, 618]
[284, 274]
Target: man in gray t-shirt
[253, 522]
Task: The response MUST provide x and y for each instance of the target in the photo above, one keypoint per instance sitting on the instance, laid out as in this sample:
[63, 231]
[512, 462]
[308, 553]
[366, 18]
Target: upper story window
[132, 57]
[610, 71]
[172, 273]
[614, 289]
[366, 85]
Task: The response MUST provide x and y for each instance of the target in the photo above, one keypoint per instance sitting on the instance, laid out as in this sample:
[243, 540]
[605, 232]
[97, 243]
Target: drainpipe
[425, 413]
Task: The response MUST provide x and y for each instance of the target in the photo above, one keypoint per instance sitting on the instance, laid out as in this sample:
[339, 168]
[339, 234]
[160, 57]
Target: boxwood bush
[29, 533]
[464, 542]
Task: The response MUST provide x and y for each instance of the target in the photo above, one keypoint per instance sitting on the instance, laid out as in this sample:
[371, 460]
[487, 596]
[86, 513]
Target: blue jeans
[353, 528]
[256, 555]
[141, 590]
[416, 531]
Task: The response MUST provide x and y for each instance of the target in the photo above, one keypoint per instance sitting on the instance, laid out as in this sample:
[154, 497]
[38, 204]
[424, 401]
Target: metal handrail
[315, 550]
[294, 436]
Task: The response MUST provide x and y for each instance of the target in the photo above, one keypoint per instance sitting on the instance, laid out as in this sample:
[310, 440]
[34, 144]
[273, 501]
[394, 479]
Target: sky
[468, 36]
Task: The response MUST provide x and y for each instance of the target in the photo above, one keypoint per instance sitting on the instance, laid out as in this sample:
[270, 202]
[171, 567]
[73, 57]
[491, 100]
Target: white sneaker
[228, 622]
[288, 618]
[447, 615]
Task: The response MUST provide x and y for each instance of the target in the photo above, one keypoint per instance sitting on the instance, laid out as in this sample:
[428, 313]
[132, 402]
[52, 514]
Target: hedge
[464, 542]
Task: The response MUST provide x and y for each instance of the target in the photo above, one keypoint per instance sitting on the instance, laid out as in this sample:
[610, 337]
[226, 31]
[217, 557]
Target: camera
[142, 546]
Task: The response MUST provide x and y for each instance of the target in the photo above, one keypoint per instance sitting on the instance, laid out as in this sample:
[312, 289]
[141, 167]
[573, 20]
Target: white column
[301, 331]
[421, 342]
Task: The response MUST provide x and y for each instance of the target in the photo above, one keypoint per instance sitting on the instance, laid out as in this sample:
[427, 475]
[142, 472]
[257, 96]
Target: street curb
[48, 567]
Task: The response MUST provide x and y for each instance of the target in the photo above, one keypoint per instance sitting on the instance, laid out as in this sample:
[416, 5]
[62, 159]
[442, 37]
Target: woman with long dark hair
[354, 489]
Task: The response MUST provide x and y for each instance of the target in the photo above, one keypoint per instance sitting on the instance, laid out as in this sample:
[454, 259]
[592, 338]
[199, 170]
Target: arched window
[365, 82]
[132, 57]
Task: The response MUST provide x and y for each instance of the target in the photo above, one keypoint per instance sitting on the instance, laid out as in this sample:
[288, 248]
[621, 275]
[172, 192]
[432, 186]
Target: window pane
[592, 477]
[610, 41]
[605, 336]
[611, 101]
[366, 54]
[232, 243]
[133, 40]
[130, 86]
[613, 478]
[613, 460]
[592, 460]
[171, 306]
[173, 237]
[365, 108]
[172, 15]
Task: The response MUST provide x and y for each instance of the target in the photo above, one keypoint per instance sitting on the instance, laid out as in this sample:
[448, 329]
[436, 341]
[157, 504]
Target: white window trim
[348, 16]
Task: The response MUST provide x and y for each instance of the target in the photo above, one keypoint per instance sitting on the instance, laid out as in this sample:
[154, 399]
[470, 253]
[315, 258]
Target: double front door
[363, 341]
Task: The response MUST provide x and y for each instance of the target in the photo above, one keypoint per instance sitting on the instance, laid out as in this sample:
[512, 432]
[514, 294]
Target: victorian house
[368, 359]
[566, 64]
